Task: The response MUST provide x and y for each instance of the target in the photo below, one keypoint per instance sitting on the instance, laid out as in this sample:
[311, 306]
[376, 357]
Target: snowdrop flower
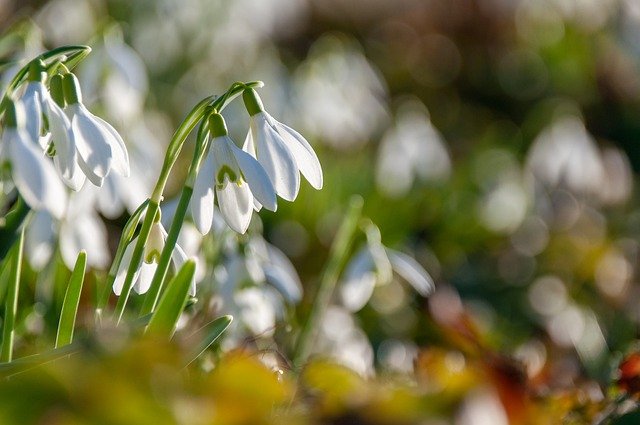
[372, 266]
[100, 147]
[38, 103]
[144, 274]
[81, 229]
[566, 154]
[33, 175]
[237, 177]
[281, 150]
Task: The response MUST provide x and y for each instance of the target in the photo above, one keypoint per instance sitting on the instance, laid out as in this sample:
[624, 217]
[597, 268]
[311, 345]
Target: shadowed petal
[236, 204]
[258, 180]
[35, 176]
[275, 158]
[411, 271]
[118, 148]
[92, 141]
[303, 153]
[203, 196]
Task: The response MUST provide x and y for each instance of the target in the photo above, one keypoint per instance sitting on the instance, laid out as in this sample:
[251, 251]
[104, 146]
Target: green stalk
[71, 301]
[337, 258]
[70, 56]
[11, 302]
[9, 230]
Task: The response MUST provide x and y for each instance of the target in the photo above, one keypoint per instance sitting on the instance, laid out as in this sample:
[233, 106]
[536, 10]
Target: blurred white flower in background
[255, 284]
[80, 229]
[565, 154]
[372, 266]
[339, 98]
[344, 341]
[412, 149]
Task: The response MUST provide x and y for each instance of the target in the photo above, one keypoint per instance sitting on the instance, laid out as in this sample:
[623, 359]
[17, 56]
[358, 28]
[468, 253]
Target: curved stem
[337, 257]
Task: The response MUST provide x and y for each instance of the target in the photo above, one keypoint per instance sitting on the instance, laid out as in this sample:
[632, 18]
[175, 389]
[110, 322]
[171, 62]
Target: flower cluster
[268, 165]
[48, 118]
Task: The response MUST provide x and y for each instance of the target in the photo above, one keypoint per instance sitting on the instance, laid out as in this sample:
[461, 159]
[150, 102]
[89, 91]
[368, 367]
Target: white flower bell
[147, 268]
[38, 103]
[281, 150]
[33, 175]
[237, 177]
[99, 145]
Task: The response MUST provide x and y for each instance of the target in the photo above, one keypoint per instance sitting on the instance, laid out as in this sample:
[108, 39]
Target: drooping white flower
[147, 268]
[38, 103]
[33, 174]
[283, 152]
[237, 177]
[367, 270]
[100, 147]
[80, 229]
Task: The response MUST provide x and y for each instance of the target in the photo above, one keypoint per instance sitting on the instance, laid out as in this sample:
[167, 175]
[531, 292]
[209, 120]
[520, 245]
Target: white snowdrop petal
[236, 205]
[92, 141]
[85, 232]
[118, 283]
[411, 271]
[39, 240]
[282, 274]
[62, 138]
[305, 157]
[203, 196]
[143, 283]
[275, 158]
[179, 257]
[119, 149]
[88, 172]
[35, 176]
[32, 103]
[359, 281]
[256, 177]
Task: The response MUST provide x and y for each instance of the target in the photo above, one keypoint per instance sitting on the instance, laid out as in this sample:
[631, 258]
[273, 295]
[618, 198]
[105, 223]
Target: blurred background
[495, 141]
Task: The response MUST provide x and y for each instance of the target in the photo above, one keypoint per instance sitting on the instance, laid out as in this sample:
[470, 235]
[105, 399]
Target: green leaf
[207, 335]
[26, 363]
[11, 300]
[630, 418]
[165, 318]
[71, 301]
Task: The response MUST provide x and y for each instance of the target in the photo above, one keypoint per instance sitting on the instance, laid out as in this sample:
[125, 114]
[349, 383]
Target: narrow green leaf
[71, 301]
[26, 363]
[207, 335]
[165, 318]
[11, 301]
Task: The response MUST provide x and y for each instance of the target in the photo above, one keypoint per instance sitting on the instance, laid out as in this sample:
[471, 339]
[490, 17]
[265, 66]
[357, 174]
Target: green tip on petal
[217, 126]
[71, 89]
[37, 71]
[252, 102]
[56, 90]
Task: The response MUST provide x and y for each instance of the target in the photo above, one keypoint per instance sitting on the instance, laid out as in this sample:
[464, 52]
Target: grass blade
[208, 334]
[71, 301]
[165, 318]
[11, 301]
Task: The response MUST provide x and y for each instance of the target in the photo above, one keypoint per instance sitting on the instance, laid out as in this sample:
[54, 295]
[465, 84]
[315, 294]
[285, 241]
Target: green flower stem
[9, 229]
[68, 56]
[216, 105]
[337, 258]
[11, 301]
